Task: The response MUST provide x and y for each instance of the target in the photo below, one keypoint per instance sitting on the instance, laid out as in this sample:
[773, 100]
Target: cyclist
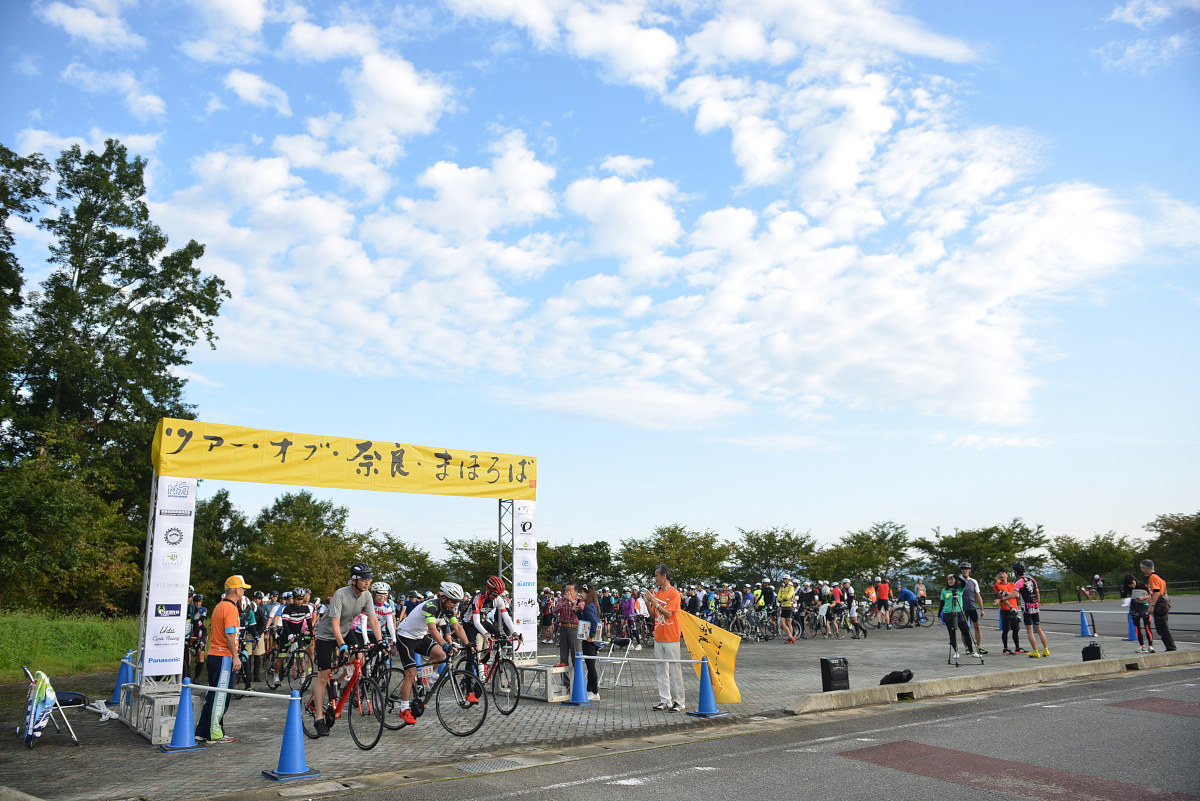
[332, 630]
[787, 597]
[1099, 584]
[909, 599]
[856, 628]
[256, 631]
[883, 604]
[196, 615]
[385, 610]
[489, 613]
[421, 633]
[293, 625]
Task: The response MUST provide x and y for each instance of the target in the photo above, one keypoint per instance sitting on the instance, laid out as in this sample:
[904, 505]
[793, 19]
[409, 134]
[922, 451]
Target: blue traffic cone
[291, 751]
[708, 699]
[183, 736]
[1132, 636]
[1084, 629]
[579, 685]
[124, 676]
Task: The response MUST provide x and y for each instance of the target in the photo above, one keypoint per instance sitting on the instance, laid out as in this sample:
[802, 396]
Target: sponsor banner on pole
[233, 453]
[720, 646]
[170, 569]
[525, 595]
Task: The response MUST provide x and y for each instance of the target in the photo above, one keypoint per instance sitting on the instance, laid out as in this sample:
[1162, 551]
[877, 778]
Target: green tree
[839, 561]
[471, 561]
[222, 533]
[404, 566]
[62, 546]
[105, 334]
[692, 556]
[987, 549]
[299, 539]
[590, 562]
[1175, 548]
[773, 553]
[1102, 554]
[21, 182]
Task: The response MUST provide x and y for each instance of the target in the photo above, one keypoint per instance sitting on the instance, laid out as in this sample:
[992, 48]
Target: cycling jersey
[416, 625]
[488, 613]
[295, 618]
[386, 612]
[628, 607]
[1027, 589]
[883, 590]
[787, 594]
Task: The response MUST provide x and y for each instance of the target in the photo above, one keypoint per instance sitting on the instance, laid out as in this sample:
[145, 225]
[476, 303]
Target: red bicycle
[347, 687]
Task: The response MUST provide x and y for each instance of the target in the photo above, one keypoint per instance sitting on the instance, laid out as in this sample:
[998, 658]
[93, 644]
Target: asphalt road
[1069, 742]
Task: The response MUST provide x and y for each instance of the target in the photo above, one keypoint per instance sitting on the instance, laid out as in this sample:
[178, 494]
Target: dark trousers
[1010, 622]
[589, 649]
[1164, 632]
[568, 644]
[212, 716]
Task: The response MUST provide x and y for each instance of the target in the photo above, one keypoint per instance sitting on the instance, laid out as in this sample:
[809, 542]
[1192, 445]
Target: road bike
[496, 668]
[295, 666]
[458, 696]
[350, 691]
[1086, 593]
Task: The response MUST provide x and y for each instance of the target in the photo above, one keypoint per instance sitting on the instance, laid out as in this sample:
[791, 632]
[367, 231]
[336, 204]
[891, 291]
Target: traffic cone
[708, 699]
[291, 751]
[579, 685]
[1084, 629]
[183, 736]
[124, 676]
[1132, 636]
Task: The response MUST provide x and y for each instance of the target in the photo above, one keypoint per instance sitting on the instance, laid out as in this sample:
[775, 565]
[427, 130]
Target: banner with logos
[170, 570]
[233, 453]
[525, 589]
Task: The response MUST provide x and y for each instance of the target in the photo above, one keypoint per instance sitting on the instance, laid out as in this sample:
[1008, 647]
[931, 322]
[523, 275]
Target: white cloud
[142, 104]
[612, 34]
[257, 91]
[1146, 54]
[305, 40]
[97, 22]
[625, 166]
[643, 404]
[36, 140]
[633, 220]
[232, 33]
[1148, 13]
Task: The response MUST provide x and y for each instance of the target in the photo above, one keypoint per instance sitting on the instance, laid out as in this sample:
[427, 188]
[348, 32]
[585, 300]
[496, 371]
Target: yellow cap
[233, 582]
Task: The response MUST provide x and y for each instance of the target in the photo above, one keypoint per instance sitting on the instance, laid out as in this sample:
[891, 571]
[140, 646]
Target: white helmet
[452, 591]
[1096, 577]
[878, 579]
[380, 587]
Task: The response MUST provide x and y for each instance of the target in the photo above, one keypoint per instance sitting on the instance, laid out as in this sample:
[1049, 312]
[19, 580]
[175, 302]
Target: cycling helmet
[380, 587]
[287, 594]
[1096, 577]
[964, 565]
[191, 589]
[298, 592]
[845, 581]
[258, 595]
[878, 579]
[452, 591]
[626, 589]
[358, 570]
[1018, 567]
[197, 596]
[495, 584]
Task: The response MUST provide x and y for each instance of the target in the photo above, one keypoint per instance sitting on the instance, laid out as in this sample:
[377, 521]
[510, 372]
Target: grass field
[62, 645]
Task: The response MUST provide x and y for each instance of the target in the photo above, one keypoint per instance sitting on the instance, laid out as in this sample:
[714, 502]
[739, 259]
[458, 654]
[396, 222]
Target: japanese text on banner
[721, 647]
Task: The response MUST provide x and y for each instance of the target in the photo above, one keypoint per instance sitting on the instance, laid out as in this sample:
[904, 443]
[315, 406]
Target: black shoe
[322, 729]
[661, 707]
[675, 708]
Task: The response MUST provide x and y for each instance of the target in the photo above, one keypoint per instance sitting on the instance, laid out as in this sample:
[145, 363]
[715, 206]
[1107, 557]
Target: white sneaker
[976, 655]
[1151, 650]
[954, 654]
[593, 696]
[1141, 650]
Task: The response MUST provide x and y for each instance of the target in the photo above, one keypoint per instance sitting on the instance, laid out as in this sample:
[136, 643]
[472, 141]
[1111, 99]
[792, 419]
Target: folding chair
[614, 643]
[41, 706]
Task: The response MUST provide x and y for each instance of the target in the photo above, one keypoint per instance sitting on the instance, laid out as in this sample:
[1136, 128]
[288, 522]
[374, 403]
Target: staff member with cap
[223, 660]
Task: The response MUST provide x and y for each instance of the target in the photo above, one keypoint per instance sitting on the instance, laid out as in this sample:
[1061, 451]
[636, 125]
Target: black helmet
[258, 595]
[298, 592]
[358, 570]
[964, 565]
[1018, 567]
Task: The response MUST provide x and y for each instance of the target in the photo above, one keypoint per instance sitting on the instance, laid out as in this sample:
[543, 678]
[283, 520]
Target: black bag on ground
[897, 677]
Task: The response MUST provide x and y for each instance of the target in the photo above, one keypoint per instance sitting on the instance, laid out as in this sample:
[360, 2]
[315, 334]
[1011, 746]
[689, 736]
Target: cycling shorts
[1032, 618]
[785, 612]
[972, 615]
[406, 650]
[883, 603]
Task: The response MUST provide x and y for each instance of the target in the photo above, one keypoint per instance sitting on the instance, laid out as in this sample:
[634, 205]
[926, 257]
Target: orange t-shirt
[870, 593]
[1006, 603]
[1156, 583]
[225, 614]
[667, 629]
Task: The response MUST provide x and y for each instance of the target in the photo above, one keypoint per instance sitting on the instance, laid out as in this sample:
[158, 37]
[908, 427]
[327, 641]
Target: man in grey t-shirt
[347, 603]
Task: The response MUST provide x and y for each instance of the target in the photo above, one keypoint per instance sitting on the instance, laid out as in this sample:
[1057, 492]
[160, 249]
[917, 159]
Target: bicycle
[296, 665]
[451, 691]
[499, 671]
[360, 693]
[1085, 593]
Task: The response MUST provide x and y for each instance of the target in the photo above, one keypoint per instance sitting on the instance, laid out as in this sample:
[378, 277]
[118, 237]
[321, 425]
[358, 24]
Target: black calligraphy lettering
[312, 451]
[521, 478]
[283, 446]
[215, 440]
[473, 468]
[444, 465]
[493, 469]
[187, 437]
[398, 463]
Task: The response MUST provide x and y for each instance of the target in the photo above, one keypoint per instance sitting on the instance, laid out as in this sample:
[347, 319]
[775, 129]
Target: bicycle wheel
[869, 621]
[269, 668]
[455, 710]
[506, 686]
[308, 718]
[926, 619]
[298, 668]
[900, 617]
[364, 713]
[389, 691]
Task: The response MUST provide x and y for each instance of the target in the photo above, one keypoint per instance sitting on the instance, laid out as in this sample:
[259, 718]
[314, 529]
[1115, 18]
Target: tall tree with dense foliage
[1175, 548]
[104, 336]
[987, 549]
[1099, 555]
[692, 555]
[773, 553]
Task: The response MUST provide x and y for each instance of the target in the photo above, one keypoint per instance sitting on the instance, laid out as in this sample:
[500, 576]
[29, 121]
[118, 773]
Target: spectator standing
[1010, 619]
[1139, 612]
[667, 631]
[1160, 603]
[590, 615]
[223, 660]
[972, 603]
[952, 617]
[1099, 585]
[566, 612]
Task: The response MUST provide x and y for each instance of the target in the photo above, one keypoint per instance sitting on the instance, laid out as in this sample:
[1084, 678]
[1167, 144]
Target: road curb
[999, 680]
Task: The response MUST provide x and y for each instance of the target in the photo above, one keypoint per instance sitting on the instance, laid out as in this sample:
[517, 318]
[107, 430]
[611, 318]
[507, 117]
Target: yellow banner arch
[194, 449]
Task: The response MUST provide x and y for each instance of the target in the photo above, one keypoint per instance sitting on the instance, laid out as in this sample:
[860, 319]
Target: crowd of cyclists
[761, 612]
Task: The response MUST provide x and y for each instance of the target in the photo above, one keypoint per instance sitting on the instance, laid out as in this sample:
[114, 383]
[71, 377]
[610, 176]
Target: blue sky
[811, 263]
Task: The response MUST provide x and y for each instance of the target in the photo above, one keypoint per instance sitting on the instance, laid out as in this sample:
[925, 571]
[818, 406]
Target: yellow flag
[721, 647]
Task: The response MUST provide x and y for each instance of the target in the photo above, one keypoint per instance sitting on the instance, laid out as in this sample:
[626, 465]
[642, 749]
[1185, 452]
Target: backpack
[897, 677]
